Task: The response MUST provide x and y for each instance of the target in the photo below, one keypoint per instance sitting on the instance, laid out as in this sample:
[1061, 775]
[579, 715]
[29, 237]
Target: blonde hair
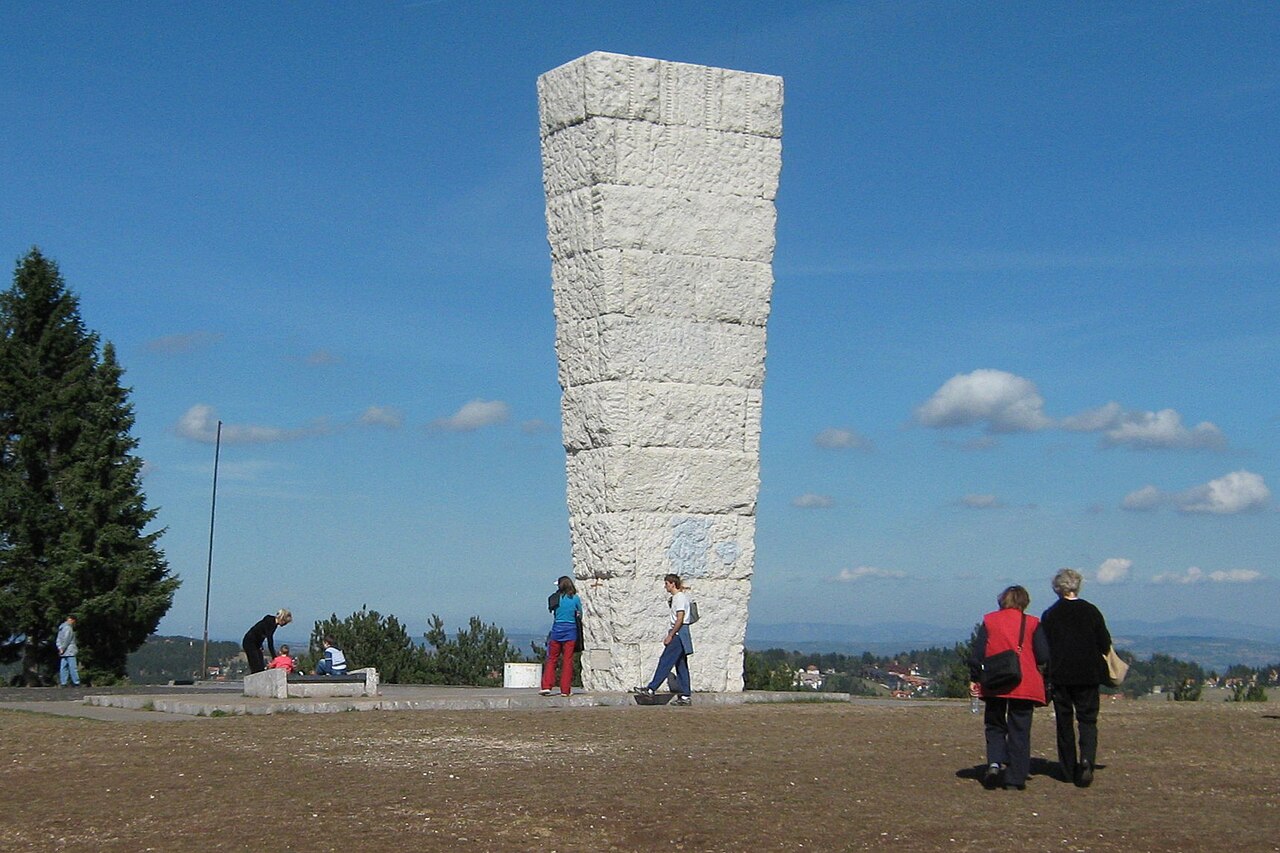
[283, 616]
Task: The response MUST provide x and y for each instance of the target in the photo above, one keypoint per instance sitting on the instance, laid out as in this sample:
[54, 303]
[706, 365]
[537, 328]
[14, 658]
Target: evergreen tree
[475, 656]
[72, 511]
[367, 638]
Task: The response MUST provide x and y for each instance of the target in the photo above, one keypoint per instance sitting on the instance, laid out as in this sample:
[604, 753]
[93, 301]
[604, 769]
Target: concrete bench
[277, 684]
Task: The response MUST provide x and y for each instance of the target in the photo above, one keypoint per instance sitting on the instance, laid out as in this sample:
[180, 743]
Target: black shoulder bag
[1002, 671]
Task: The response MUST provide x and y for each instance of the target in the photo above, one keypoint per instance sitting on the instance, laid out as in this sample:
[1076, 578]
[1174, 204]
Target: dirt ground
[1175, 777]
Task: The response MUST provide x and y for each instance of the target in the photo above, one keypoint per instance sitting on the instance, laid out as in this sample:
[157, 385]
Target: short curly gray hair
[1067, 582]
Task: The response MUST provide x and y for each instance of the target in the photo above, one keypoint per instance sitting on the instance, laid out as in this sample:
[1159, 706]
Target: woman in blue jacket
[564, 637]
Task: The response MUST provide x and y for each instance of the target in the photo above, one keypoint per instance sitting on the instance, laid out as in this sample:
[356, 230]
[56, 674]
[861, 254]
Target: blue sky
[1025, 310]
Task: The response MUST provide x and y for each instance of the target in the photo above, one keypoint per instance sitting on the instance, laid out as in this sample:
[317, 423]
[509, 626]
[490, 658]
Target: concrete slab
[107, 713]
[396, 697]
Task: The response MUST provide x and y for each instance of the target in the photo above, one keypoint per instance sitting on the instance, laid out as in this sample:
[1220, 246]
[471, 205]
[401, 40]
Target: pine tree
[72, 511]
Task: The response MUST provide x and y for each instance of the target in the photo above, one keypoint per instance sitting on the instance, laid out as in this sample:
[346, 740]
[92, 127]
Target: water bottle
[975, 704]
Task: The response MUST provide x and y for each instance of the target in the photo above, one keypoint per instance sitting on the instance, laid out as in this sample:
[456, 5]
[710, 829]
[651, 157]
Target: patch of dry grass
[780, 777]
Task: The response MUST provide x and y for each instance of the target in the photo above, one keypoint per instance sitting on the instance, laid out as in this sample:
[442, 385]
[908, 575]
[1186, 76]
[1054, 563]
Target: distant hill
[1212, 653]
[1213, 643]
[1192, 626]
[919, 634]
[165, 659]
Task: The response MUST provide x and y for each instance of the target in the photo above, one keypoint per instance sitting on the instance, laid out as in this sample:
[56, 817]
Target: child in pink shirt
[283, 661]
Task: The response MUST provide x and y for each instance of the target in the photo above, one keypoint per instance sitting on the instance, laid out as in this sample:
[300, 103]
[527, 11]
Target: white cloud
[1235, 576]
[321, 358]
[1162, 430]
[841, 439]
[200, 423]
[1094, 420]
[1197, 575]
[1239, 491]
[183, 343]
[1141, 500]
[981, 502]
[864, 572]
[812, 501]
[383, 416]
[1002, 401]
[1114, 570]
[535, 426]
[474, 415]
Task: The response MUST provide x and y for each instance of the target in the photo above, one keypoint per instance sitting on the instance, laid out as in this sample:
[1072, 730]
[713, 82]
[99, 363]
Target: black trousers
[1076, 703]
[254, 653]
[1007, 725]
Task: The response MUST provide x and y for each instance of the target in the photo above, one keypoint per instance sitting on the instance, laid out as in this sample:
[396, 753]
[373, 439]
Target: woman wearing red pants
[564, 636]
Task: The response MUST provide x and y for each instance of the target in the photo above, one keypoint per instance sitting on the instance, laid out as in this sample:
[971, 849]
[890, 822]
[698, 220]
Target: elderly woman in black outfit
[1078, 640]
[264, 630]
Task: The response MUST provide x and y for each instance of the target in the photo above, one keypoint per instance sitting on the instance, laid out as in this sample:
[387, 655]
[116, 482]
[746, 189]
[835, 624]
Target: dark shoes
[1084, 774]
[682, 700]
[991, 777]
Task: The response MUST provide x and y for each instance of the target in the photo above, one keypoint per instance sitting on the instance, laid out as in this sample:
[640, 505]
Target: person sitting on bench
[334, 661]
[283, 661]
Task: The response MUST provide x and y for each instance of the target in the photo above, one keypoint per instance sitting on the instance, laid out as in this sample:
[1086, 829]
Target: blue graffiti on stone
[691, 547]
[690, 540]
[728, 552]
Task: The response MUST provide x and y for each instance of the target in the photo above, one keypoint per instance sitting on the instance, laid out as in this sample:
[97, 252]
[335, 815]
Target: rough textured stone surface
[637, 283]
[268, 684]
[660, 180]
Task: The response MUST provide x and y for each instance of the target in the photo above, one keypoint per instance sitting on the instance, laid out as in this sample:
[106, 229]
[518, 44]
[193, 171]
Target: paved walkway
[169, 703]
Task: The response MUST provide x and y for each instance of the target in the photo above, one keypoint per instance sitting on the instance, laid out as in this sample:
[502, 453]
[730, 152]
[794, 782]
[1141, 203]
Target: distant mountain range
[1213, 643]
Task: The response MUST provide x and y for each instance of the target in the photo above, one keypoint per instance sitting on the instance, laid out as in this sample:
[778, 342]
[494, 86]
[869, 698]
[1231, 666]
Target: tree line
[775, 669]
[474, 655]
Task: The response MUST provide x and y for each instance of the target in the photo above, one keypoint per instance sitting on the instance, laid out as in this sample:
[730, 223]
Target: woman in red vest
[1009, 710]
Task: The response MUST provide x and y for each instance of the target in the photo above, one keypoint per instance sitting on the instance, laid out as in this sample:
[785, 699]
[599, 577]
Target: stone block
[650, 545]
[625, 620]
[639, 283]
[268, 684]
[659, 92]
[659, 414]
[607, 216]
[659, 350]
[634, 153]
[621, 479]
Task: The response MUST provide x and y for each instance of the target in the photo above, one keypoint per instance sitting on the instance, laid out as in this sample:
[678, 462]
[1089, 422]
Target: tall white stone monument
[660, 180]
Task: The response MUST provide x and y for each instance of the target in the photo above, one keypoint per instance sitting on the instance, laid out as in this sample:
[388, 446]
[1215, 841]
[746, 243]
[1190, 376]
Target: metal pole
[208, 581]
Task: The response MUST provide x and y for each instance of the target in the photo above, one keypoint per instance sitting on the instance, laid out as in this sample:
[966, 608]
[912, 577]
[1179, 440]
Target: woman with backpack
[565, 635]
[677, 644]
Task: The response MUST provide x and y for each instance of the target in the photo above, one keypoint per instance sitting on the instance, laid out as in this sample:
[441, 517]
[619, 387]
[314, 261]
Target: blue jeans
[673, 656]
[326, 668]
[67, 667]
